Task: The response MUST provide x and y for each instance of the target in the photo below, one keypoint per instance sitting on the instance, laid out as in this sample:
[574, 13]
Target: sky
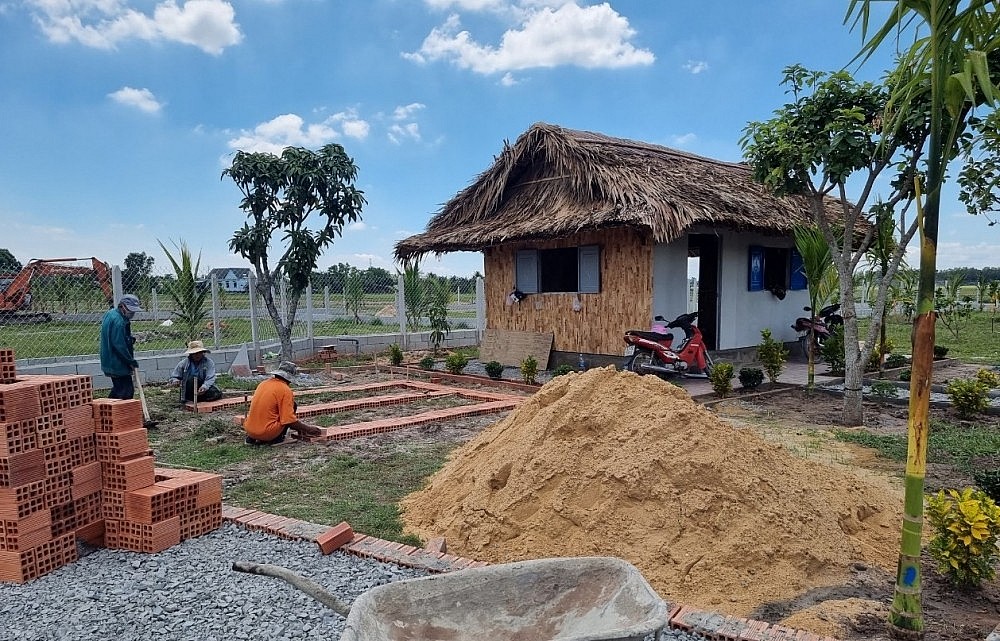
[118, 117]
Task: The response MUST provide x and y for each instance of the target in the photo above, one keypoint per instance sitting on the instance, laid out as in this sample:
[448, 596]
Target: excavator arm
[16, 297]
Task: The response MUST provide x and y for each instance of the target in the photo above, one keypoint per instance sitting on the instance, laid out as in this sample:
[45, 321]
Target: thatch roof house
[597, 230]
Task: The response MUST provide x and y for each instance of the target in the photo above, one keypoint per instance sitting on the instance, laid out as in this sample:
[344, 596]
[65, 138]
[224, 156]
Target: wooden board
[509, 347]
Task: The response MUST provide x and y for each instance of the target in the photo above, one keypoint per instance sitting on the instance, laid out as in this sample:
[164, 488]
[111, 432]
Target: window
[566, 269]
[775, 268]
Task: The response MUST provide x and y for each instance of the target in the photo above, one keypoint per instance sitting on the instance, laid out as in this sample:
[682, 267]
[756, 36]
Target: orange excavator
[15, 297]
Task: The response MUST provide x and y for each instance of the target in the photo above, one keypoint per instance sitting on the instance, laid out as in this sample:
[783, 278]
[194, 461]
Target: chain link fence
[58, 312]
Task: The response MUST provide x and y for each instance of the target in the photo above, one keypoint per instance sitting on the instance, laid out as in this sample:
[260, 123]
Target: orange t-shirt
[271, 408]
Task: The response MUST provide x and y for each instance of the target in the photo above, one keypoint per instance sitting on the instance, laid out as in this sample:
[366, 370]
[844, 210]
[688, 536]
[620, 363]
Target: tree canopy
[306, 195]
[7, 261]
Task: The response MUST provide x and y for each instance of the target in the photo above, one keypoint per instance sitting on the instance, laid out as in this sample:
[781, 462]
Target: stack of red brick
[74, 467]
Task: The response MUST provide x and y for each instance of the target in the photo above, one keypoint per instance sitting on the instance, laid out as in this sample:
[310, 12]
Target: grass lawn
[978, 338]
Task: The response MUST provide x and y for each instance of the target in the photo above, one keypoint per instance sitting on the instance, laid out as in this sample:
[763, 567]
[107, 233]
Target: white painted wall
[743, 313]
[670, 279]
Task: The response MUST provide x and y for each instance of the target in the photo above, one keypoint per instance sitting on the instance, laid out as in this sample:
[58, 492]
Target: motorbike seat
[651, 336]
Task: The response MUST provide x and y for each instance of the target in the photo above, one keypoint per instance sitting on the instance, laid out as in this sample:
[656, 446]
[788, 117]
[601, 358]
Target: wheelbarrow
[557, 599]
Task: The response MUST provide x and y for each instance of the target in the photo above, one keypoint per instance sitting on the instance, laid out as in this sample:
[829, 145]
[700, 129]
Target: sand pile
[611, 463]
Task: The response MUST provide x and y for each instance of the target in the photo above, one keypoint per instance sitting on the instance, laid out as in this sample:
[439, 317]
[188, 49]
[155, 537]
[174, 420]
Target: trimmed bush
[833, 350]
[904, 375]
[494, 370]
[989, 481]
[529, 370]
[562, 370]
[395, 355]
[892, 361]
[988, 377]
[968, 396]
[883, 390]
[772, 355]
[751, 377]
[456, 362]
[940, 351]
[721, 378]
[427, 362]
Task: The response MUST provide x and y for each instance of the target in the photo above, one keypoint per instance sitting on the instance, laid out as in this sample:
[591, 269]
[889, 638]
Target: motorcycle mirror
[807, 309]
[659, 318]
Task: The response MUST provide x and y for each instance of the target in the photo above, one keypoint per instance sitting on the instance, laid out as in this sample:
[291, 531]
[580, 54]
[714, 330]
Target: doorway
[703, 284]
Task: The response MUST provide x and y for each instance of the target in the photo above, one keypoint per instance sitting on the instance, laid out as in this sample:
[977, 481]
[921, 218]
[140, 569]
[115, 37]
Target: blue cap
[130, 302]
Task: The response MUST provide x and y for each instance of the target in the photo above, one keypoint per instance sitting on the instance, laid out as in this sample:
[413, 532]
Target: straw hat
[196, 346]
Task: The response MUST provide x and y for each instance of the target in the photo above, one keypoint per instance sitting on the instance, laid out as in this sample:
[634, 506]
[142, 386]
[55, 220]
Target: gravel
[189, 593]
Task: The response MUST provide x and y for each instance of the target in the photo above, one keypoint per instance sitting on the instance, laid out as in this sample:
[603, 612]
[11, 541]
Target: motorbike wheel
[639, 359]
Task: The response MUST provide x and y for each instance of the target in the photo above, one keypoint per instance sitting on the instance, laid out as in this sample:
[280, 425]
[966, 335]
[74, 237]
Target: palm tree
[817, 262]
[185, 292]
[949, 62]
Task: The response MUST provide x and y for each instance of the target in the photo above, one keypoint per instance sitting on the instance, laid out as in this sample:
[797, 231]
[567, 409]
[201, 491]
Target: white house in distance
[231, 279]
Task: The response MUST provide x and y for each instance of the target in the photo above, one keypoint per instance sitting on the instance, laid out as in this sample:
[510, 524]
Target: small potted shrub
[395, 355]
[751, 378]
[494, 370]
[427, 362]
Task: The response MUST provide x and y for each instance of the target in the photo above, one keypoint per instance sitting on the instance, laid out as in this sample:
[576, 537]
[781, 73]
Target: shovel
[148, 423]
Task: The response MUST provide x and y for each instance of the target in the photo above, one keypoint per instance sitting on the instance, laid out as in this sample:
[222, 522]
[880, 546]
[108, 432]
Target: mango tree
[281, 193]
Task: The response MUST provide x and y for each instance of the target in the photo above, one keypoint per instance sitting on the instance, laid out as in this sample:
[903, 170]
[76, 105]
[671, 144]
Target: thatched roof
[554, 182]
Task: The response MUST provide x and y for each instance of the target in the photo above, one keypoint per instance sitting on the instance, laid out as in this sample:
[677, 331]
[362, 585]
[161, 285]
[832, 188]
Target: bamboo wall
[625, 300]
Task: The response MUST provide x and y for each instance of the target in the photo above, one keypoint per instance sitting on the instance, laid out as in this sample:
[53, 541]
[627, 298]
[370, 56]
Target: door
[705, 247]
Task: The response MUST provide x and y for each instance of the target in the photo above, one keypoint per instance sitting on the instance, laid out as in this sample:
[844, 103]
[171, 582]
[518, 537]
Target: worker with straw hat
[196, 371]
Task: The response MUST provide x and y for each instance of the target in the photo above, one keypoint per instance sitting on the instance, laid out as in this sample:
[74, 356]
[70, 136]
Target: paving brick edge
[712, 625]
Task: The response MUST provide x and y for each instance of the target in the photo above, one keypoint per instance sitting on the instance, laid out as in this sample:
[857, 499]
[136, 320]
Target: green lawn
[978, 340]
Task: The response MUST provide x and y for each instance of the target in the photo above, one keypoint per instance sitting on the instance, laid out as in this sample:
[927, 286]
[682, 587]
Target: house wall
[623, 302]
[669, 280]
[744, 313]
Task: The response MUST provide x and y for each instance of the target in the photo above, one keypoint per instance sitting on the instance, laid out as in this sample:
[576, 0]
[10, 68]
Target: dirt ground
[853, 611]
[857, 610]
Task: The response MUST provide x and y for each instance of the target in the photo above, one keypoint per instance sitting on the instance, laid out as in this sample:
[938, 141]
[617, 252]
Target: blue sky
[117, 117]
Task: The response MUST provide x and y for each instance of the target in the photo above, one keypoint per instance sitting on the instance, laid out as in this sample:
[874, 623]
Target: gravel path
[189, 593]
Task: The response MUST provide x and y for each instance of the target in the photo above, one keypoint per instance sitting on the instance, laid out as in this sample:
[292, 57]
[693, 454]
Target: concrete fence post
[401, 312]
[309, 312]
[116, 284]
[215, 311]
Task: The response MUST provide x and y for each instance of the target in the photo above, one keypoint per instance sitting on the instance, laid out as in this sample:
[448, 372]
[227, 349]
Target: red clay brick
[21, 469]
[335, 537]
[92, 533]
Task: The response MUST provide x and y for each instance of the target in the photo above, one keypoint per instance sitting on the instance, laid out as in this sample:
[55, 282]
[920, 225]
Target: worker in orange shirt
[272, 410]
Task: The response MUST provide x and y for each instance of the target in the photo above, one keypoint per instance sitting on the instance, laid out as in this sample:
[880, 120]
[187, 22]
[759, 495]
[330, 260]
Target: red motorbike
[821, 324]
[655, 353]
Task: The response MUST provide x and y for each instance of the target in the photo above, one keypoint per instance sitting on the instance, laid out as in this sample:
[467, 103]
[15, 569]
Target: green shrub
[883, 390]
[940, 351]
[904, 375]
[455, 362]
[968, 396]
[562, 370]
[751, 377]
[395, 355]
[721, 378]
[967, 528]
[892, 361]
[427, 362]
[833, 350]
[772, 355]
[529, 370]
[494, 370]
[988, 377]
[988, 481]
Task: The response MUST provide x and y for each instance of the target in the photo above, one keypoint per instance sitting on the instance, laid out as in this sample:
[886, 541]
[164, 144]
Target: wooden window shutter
[526, 271]
[589, 257]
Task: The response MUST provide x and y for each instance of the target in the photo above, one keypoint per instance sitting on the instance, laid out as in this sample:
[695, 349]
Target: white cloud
[358, 226]
[589, 37]
[290, 130]
[400, 133]
[141, 99]
[408, 111]
[508, 80]
[102, 24]
[468, 5]
[956, 254]
[683, 140]
[695, 66]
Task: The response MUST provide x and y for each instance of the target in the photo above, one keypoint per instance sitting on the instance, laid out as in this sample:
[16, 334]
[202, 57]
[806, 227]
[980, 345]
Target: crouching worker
[196, 370]
[272, 410]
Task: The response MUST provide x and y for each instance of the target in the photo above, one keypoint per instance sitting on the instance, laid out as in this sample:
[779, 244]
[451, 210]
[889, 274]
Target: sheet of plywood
[509, 347]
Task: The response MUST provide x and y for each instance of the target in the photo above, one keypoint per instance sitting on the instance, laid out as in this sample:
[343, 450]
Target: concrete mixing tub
[564, 599]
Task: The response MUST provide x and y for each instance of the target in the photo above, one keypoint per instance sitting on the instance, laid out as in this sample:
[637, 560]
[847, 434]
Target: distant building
[231, 279]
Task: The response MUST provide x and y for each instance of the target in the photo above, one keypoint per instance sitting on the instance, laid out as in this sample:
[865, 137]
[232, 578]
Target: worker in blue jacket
[117, 346]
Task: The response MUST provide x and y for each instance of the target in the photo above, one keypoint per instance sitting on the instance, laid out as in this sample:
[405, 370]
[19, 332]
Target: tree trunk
[854, 364]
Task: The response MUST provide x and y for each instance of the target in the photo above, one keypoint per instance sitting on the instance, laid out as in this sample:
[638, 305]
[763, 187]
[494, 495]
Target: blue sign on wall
[755, 281]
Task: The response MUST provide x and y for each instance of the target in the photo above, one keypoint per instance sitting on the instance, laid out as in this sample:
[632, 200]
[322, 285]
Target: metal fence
[223, 308]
